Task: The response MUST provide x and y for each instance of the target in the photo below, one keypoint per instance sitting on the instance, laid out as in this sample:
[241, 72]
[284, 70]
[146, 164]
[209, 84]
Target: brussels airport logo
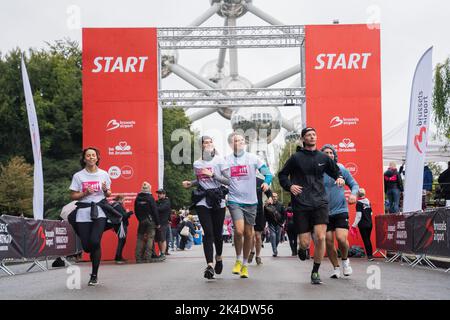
[119, 64]
[121, 149]
[352, 168]
[126, 172]
[419, 139]
[47, 238]
[346, 145]
[115, 124]
[338, 121]
[334, 61]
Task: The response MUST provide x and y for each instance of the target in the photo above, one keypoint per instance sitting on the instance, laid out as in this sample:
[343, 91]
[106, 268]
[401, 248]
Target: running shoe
[370, 258]
[347, 268]
[301, 254]
[218, 267]
[244, 272]
[250, 257]
[258, 261]
[315, 278]
[209, 272]
[336, 274]
[237, 267]
[93, 281]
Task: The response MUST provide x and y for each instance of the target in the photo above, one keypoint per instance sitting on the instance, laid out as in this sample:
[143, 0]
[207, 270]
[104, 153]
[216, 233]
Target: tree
[288, 150]
[16, 187]
[441, 98]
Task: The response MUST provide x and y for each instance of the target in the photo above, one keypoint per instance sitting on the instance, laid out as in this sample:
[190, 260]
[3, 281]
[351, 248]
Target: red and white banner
[419, 121]
[120, 113]
[343, 101]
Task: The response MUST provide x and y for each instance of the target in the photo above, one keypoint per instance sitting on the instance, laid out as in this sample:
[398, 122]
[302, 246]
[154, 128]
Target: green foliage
[16, 187]
[288, 150]
[441, 98]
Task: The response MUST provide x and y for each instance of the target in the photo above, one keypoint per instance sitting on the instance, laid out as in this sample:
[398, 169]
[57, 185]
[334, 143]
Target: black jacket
[164, 210]
[125, 214]
[152, 209]
[444, 182]
[392, 180]
[280, 208]
[306, 168]
[259, 194]
[189, 224]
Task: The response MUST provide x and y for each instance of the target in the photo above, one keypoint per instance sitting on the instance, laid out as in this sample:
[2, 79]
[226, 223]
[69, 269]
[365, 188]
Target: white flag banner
[419, 120]
[38, 187]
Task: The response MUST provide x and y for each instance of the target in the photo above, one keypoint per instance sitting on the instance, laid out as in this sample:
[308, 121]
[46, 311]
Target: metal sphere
[264, 121]
[211, 72]
[168, 57]
[232, 83]
[231, 8]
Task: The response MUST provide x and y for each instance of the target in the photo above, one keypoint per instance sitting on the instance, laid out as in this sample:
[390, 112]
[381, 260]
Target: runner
[211, 172]
[302, 176]
[242, 200]
[338, 221]
[260, 223]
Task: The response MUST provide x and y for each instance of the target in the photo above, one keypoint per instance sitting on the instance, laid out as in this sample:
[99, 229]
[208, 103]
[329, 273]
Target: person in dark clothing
[147, 215]
[118, 205]
[174, 222]
[302, 176]
[393, 186]
[290, 228]
[260, 222]
[276, 226]
[164, 209]
[444, 183]
[363, 220]
[188, 221]
[427, 186]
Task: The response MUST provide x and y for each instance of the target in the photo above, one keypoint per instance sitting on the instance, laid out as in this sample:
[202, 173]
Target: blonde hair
[146, 187]
[361, 192]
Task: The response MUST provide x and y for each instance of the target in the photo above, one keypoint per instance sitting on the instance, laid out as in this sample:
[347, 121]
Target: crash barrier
[421, 234]
[23, 239]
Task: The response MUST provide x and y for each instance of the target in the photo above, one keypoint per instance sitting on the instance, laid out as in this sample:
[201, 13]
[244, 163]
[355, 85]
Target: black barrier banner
[11, 237]
[394, 233]
[48, 238]
[431, 234]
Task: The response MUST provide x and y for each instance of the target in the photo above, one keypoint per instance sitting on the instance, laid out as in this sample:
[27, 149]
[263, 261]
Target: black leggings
[212, 224]
[365, 235]
[292, 235]
[90, 234]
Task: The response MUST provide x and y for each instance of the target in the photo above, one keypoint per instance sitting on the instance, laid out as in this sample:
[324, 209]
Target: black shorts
[160, 235]
[260, 221]
[305, 220]
[338, 221]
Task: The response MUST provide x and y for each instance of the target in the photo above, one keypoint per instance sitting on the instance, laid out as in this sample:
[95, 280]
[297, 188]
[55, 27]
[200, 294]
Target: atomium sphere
[168, 57]
[231, 8]
[232, 83]
[264, 121]
[211, 72]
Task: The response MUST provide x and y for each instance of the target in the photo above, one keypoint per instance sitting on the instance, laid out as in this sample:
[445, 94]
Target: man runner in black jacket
[302, 176]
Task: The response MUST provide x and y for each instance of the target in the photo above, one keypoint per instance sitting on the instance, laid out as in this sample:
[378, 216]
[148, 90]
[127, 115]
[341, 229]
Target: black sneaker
[315, 278]
[93, 281]
[209, 272]
[301, 254]
[218, 267]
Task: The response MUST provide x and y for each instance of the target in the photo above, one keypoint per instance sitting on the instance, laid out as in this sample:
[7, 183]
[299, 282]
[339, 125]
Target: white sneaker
[336, 274]
[347, 268]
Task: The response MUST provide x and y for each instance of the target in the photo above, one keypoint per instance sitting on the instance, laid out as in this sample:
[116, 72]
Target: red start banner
[120, 113]
[343, 102]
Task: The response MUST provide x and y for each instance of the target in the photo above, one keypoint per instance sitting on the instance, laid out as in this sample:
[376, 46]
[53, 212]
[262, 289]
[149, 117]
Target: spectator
[363, 220]
[393, 186]
[427, 186]
[163, 205]
[118, 205]
[444, 183]
[276, 226]
[174, 222]
[184, 242]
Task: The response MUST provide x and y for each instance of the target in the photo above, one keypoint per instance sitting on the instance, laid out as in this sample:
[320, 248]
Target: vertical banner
[343, 101]
[38, 181]
[120, 113]
[416, 146]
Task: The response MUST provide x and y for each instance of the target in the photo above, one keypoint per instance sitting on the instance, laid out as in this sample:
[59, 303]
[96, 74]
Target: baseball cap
[306, 130]
[161, 191]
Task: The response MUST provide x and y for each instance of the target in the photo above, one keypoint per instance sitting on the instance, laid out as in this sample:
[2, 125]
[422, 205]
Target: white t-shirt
[243, 177]
[217, 166]
[81, 181]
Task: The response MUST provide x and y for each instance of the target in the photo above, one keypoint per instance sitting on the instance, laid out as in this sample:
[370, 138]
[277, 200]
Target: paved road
[181, 277]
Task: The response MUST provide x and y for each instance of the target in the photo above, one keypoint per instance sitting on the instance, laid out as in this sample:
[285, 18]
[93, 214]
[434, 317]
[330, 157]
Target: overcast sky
[408, 28]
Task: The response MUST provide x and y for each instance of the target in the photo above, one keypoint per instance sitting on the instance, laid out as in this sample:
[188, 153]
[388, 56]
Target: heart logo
[123, 144]
[347, 141]
[335, 122]
[418, 138]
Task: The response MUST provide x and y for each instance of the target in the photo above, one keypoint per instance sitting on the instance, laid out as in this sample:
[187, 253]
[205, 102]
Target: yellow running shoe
[237, 267]
[244, 272]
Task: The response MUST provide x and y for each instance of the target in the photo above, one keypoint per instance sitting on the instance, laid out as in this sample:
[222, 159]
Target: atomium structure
[251, 107]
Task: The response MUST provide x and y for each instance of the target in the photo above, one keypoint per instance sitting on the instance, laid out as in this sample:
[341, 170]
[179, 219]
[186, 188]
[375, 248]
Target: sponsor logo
[127, 172]
[430, 232]
[419, 138]
[114, 124]
[114, 172]
[119, 64]
[352, 168]
[346, 145]
[338, 121]
[41, 236]
[333, 61]
[321, 164]
[94, 185]
[122, 149]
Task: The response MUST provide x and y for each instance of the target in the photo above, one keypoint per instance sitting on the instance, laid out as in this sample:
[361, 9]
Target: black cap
[161, 191]
[306, 130]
